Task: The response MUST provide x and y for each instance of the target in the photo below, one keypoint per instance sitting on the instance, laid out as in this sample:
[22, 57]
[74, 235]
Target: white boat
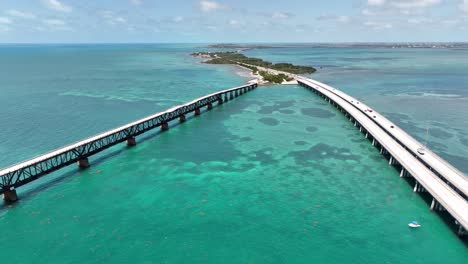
[414, 224]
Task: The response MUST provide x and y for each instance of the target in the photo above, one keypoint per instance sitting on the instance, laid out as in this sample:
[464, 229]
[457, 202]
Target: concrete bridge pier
[236, 93]
[197, 112]
[209, 106]
[231, 96]
[131, 142]
[461, 231]
[391, 161]
[10, 196]
[182, 118]
[164, 126]
[418, 188]
[435, 205]
[220, 101]
[83, 163]
[403, 173]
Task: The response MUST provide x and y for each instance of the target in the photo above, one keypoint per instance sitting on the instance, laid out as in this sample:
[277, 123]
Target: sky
[216, 21]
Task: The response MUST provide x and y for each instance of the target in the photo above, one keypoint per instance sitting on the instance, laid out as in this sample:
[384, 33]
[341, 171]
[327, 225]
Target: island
[266, 71]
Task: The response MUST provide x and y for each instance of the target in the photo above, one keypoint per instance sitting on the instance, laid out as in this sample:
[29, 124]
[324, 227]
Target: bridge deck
[456, 205]
[432, 160]
[27, 171]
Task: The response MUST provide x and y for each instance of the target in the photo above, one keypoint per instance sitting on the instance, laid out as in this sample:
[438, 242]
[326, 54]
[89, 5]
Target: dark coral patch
[317, 112]
[323, 151]
[269, 121]
[311, 129]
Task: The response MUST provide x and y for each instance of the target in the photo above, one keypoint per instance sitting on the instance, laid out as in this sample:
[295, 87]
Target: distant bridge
[447, 186]
[28, 171]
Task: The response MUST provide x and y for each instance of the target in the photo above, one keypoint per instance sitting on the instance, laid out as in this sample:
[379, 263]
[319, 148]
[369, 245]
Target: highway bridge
[447, 186]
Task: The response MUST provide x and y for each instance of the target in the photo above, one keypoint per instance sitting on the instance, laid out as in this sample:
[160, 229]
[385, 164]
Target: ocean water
[276, 176]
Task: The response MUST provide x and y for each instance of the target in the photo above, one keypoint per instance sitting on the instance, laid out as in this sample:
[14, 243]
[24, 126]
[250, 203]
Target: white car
[421, 151]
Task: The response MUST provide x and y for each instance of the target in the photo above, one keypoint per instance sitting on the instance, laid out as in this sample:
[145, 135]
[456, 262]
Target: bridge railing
[30, 170]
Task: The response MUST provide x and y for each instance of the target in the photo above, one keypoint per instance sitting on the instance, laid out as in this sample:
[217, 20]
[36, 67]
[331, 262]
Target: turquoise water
[276, 176]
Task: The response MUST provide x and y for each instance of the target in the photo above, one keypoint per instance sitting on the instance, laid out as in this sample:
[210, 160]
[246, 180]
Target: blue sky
[78, 21]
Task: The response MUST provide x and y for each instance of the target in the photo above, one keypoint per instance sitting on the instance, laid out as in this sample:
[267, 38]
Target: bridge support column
[418, 188]
[164, 126]
[209, 106]
[367, 134]
[182, 118]
[390, 162]
[220, 101]
[435, 205]
[373, 142]
[197, 112]
[83, 163]
[403, 173]
[231, 96]
[461, 231]
[131, 142]
[10, 196]
[226, 98]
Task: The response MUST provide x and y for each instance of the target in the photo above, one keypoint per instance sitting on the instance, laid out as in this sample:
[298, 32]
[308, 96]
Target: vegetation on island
[252, 64]
[238, 58]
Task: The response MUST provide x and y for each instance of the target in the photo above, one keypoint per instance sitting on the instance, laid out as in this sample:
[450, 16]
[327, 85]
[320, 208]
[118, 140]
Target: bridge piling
[197, 111]
[10, 196]
[164, 126]
[83, 163]
[182, 118]
[131, 142]
[209, 107]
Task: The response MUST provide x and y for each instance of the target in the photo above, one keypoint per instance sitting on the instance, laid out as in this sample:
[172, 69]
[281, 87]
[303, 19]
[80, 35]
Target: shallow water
[276, 176]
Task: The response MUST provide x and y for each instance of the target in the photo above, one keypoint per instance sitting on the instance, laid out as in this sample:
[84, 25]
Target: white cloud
[281, 15]
[178, 19]
[136, 2]
[208, 6]
[53, 25]
[19, 14]
[378, 25]
[4, 28]
[464, 6]
[57, 5]
[419, 21]
[5, 20]
[375, 2]
[404, 4]
[54, 22]
[112, 19]
[334, 18]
